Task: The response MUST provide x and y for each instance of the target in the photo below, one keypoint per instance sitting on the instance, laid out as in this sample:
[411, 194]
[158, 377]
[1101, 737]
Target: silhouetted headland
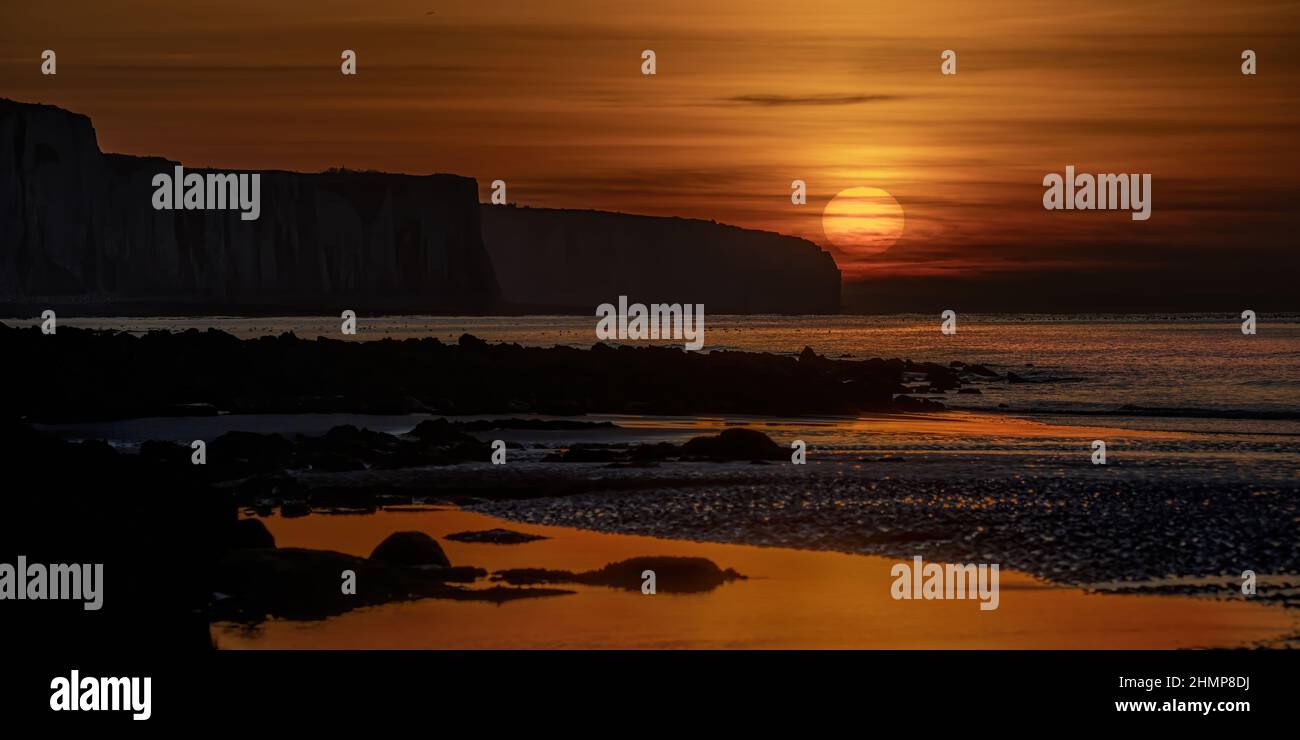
[83, 237]
[565, 260]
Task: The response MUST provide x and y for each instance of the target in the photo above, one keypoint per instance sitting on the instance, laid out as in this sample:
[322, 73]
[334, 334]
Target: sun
[863, 221]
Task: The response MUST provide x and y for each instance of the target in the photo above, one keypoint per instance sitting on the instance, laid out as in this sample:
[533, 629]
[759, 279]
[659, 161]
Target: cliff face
[77, 227]
[567, 259]
[78, 233]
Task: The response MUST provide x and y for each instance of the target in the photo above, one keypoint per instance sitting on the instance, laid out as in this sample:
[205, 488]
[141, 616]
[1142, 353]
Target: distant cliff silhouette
[576, 259]
[80, 234]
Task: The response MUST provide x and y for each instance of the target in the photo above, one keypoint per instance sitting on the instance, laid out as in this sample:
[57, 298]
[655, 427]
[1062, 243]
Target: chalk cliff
[573, 259]
[78, 232]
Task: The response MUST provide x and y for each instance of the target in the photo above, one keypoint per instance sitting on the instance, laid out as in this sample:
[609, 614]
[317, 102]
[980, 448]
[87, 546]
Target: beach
[1144, 552]
[967, 456]
[790, 599]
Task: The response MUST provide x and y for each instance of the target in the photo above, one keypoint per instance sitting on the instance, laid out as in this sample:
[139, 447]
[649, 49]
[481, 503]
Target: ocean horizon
[1181, 367]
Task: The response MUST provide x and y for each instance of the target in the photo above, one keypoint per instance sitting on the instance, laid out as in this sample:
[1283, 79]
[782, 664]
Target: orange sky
[749, 96]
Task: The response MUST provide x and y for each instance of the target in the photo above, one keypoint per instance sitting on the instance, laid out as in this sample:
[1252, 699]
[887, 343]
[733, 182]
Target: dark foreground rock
[735, 444]
[156, 529]
[109, 375]
[549, 425]
[341, 449]
[495, 537]
[731, 444]
[295, 583]
[672, 575]
[910, 403]
[410, 548]
[250, 534]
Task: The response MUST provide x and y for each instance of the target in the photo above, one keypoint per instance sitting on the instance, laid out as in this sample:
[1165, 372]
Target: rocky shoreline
[153, 517]
[103, 375]
[158, 517]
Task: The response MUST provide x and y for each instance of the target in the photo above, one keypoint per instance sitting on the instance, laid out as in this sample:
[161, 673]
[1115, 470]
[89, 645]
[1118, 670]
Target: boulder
[250, 451]
[735, 444]
[295, 583]
[495, 537]
[672, 575]
[410, 548]
[909, 403]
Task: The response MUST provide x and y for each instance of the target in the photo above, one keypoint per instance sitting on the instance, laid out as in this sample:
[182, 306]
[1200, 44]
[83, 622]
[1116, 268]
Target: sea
[1193, 371]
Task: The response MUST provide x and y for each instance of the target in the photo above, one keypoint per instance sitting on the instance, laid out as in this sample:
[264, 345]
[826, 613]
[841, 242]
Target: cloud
[771, 101]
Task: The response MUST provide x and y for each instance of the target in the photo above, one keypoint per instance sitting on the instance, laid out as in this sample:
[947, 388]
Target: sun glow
[863, 221]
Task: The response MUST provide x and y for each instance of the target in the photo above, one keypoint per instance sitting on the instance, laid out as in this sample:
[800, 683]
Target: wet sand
[792, 599]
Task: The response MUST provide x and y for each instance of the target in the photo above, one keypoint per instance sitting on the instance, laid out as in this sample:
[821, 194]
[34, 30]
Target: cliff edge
[79, 232]
[560, 259]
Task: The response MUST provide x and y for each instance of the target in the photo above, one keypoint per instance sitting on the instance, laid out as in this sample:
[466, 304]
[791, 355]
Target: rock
[296, 583]
[294, 509]
[455, 573]
[158, 527]
[495, 537]
[344, 498]
[471, 343]
[653, 451]
[485, 425]
[438, 431]
[410, 548]
[346, 448]
[735, 444]
[672, 575]
[249, 452]
[942, 378]
[250, 533]
[908, 403]
[970, 391]
[588, 453]
[167, 452]
[286, 374]
[265, 487]
[259, 461]
[1013, 378]
[534, 576]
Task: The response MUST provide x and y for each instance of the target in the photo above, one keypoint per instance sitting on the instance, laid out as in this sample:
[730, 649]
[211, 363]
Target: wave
[1179, 412]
